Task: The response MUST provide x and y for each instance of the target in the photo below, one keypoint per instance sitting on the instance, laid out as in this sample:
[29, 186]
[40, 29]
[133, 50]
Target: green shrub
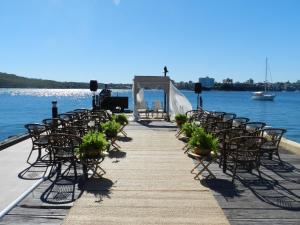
[188, 129]
[93, 145]
[204, 141]
[121, 119]
[181, 118]
[110, 128]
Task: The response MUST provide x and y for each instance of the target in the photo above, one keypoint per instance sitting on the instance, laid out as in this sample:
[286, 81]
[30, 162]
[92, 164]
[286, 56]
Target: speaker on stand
[198, 90]
[94, 88]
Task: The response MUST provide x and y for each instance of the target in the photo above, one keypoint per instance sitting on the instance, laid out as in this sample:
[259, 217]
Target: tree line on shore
[14, 81]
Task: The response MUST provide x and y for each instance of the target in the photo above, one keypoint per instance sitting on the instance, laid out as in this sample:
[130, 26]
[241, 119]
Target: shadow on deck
[272, 199]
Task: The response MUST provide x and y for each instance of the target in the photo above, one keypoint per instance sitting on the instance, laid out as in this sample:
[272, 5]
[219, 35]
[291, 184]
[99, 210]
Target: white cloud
[116, 2]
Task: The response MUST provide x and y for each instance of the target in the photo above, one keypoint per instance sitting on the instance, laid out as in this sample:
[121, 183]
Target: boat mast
[266, 74]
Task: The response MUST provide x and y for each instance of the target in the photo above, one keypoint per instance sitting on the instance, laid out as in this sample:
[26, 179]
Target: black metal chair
[224, 137]
[217, 114]
[229, 116]
[246, 153]
[253, 128]
[239, 122]
[67, 119]
[273, 137]
[54, 125]
[39, 137]
[63, 147]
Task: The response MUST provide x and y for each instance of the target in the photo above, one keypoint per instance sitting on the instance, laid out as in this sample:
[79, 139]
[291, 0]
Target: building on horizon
[228, 81]
[250, 81]
[207, 82]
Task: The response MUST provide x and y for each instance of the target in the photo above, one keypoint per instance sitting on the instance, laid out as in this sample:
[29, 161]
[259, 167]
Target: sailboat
[264, 95]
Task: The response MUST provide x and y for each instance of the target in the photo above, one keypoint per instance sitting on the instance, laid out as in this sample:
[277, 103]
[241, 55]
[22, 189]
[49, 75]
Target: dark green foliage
[182, 118]
[203, 140]
[13, 81]
[93, 145]
[188, 129]
[110, 128]
[121, 119]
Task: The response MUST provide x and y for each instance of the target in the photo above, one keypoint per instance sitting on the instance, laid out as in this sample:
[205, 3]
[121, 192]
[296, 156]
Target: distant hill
[14, 81]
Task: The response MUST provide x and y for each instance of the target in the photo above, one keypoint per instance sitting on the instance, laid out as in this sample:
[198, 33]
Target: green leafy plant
[121, 119]
[188, 129]
[93, 144]
[110, 128]
[180, 119]
[203, 143]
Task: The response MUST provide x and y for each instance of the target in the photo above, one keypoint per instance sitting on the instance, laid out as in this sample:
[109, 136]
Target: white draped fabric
[140, 100]
[178, 103]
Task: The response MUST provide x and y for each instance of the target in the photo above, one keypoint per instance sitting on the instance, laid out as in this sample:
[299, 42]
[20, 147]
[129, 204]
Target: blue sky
[113, 40]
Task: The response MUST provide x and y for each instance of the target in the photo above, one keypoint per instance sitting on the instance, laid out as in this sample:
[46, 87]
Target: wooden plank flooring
[151, 185]
[141, 186]
[273, 200]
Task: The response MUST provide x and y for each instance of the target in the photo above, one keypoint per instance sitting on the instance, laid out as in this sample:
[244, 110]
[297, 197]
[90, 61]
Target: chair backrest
[227, 134]
[73, 115]
[229, 116]
[35, 130]
[273, 135]
[193, 112]
[66, 118]
[83, 113]
[53, 124]
[222, 125]
[195, 115]
[63, 145]
[253, 127]
[239, 121]
[246, 148]
[218, 115]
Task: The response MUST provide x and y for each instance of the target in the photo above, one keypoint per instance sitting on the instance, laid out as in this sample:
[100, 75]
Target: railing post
[54, 109]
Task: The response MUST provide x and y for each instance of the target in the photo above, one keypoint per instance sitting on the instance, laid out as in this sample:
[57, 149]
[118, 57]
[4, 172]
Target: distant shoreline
[14, 81]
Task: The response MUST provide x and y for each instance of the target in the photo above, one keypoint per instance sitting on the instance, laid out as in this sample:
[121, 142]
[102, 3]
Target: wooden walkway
[149, 182]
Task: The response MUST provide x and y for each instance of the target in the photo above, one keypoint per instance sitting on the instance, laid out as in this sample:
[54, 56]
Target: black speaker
[93, 85]
[198, 88]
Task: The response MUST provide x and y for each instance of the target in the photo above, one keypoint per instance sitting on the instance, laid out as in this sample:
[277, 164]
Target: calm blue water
[21, 106]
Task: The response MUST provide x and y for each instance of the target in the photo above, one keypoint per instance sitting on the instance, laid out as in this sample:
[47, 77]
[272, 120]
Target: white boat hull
[263, 97]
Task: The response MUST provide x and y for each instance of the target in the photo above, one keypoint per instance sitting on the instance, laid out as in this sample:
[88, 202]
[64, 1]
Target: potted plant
[203, 143]
[111, 128]
[188, 129]
[121, 119]
[94, 145]
[180, 119]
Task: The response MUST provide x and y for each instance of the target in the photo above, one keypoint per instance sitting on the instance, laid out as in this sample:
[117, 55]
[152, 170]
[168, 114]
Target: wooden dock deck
[151, 185]
[149, 182]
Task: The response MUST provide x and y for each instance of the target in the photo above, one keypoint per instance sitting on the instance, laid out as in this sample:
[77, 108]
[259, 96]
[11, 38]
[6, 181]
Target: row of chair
[55, 139]
[241, 142]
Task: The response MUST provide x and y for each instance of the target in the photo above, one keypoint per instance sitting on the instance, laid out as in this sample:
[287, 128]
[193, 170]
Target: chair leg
[38, 156]
[75, 169]
[196, 167]
[277, 153]
[234, 172]
[270, 155]
[224, 162]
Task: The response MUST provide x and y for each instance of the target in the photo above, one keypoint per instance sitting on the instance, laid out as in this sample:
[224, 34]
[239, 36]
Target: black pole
[201, 102]
[54, 109]
[94, 102]
[198, 101]
[165, 95]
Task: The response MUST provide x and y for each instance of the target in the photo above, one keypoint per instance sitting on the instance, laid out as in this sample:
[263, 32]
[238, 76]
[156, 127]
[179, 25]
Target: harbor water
[21, 106]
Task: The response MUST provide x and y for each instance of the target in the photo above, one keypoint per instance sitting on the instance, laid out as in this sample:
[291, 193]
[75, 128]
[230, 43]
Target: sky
[113, 40]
